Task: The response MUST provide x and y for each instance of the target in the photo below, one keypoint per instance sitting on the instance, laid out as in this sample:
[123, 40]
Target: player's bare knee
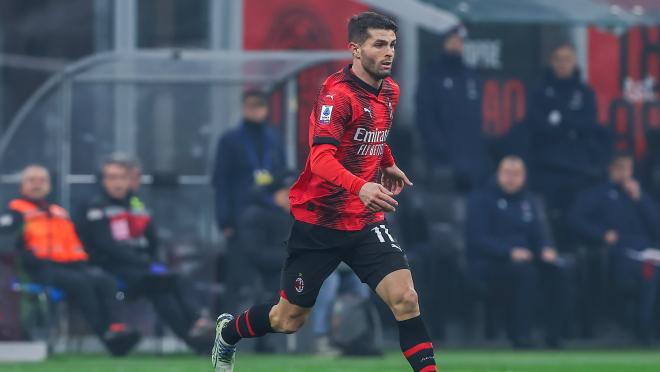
[406, 303]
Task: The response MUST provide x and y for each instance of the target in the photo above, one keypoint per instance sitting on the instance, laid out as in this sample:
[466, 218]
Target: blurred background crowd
[147, 148]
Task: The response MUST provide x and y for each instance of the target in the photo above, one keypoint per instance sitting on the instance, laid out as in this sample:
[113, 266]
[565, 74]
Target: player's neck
[365, 76]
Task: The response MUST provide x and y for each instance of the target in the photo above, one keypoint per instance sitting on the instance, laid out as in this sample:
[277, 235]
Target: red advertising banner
[624, 71]
[305, 25]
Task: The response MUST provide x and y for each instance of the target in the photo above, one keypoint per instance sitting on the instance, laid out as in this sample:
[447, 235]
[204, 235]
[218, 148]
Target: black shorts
[314, 252]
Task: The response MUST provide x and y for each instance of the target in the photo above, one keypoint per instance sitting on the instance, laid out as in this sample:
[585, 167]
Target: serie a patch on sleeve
[326, 113]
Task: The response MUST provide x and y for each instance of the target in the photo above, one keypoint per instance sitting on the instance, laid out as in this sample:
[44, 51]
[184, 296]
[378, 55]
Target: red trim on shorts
[247, 321]
[417, 348]
[429, 369]
[238, 329]
[283, 295]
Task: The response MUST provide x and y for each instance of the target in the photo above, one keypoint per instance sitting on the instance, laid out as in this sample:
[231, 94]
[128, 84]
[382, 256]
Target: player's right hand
[377, 198]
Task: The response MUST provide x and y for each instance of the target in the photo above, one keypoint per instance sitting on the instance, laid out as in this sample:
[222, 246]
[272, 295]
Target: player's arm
[325, 165]
[328, 121]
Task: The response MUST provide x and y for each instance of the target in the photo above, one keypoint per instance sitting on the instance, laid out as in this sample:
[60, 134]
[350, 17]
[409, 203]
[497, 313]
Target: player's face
[564, 62]
[621, 170]
[376, 53]
[116, 181]
[36, 183]
[511, 176]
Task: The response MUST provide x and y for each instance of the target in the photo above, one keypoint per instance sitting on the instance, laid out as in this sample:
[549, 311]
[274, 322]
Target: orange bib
[49, 235]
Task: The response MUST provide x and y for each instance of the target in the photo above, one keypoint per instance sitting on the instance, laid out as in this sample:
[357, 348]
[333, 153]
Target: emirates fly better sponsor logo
[372, 141]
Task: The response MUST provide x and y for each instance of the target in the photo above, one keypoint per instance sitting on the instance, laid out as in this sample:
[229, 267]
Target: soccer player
[338, 204]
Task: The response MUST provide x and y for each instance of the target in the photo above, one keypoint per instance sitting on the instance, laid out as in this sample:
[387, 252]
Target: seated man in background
[122, 239]
[621, 216]
[509, 248]
[51, 253]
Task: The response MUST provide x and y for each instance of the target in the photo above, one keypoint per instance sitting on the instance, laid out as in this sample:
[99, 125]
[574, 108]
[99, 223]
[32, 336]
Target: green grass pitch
[449, 361]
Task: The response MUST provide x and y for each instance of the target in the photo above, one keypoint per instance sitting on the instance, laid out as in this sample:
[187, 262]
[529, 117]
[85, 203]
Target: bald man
[51, 253]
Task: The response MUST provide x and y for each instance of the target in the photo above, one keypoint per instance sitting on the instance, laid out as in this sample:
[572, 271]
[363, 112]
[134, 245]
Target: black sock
[252, 323]
[416, 345]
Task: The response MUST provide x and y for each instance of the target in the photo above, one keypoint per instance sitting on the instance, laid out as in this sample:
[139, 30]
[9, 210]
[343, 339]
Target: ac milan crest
[300, 284]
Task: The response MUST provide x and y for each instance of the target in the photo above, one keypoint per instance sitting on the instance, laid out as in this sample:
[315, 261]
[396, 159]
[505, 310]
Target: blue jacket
[239, 154]
[449, 118]
[562, 121]
[608, 207]
[497, 222]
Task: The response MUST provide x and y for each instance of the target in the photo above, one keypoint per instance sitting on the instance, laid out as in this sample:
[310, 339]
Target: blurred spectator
[52, 255]
[122, 239]
[510, 250]
[567, 144]
[619, 215]
[449, 115]
[246, 157]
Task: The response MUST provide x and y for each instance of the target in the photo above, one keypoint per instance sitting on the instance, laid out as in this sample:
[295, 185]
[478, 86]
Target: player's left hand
[394, 179]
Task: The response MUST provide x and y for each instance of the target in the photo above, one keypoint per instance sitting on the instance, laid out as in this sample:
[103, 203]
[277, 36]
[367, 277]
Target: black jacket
[561, 117]
[497, 222]
[449, 118]
[608, 207]
[118, 233]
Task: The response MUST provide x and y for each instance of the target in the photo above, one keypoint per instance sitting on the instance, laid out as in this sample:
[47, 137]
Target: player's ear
[355, 49]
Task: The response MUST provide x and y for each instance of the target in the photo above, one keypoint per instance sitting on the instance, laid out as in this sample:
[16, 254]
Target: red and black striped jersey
[354, 119]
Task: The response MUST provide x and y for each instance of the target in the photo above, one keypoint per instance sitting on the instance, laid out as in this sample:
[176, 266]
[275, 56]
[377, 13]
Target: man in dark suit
[621, 216]
[510, 250]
